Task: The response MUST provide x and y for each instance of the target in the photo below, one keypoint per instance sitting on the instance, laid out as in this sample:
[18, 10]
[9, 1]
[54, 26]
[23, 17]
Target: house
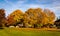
[57, 23]
[20, 25]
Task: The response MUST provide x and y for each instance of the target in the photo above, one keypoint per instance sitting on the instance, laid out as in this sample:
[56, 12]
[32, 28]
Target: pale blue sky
[11, 5]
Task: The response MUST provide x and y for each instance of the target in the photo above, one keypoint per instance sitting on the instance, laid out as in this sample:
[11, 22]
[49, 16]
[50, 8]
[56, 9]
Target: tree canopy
[31, 17]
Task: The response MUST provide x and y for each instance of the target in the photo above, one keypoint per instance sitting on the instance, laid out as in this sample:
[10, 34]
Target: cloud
[11, 5]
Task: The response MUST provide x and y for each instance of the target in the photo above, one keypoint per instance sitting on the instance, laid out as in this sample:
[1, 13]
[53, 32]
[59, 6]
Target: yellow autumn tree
[33, 16]
[38, 16]
[50, 16]
[15, 17]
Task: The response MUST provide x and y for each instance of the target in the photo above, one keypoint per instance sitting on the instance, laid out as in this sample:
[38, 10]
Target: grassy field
[27, 32]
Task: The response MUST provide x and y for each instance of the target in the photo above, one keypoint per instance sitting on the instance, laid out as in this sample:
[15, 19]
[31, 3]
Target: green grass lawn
[27, 32]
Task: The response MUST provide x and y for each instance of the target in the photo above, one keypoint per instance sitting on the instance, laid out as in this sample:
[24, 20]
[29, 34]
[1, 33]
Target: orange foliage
[15, 17]
[32, 16]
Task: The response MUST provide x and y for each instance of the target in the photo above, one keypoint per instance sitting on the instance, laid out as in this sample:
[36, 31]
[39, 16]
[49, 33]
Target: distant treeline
[32, 18]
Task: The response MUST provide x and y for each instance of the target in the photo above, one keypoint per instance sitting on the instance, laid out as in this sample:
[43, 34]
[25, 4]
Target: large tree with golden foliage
[33, 16]
[50, 16]
[38, 16]
[15, 17]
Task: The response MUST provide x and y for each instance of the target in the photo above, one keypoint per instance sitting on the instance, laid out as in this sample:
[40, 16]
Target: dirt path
[49, 29]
